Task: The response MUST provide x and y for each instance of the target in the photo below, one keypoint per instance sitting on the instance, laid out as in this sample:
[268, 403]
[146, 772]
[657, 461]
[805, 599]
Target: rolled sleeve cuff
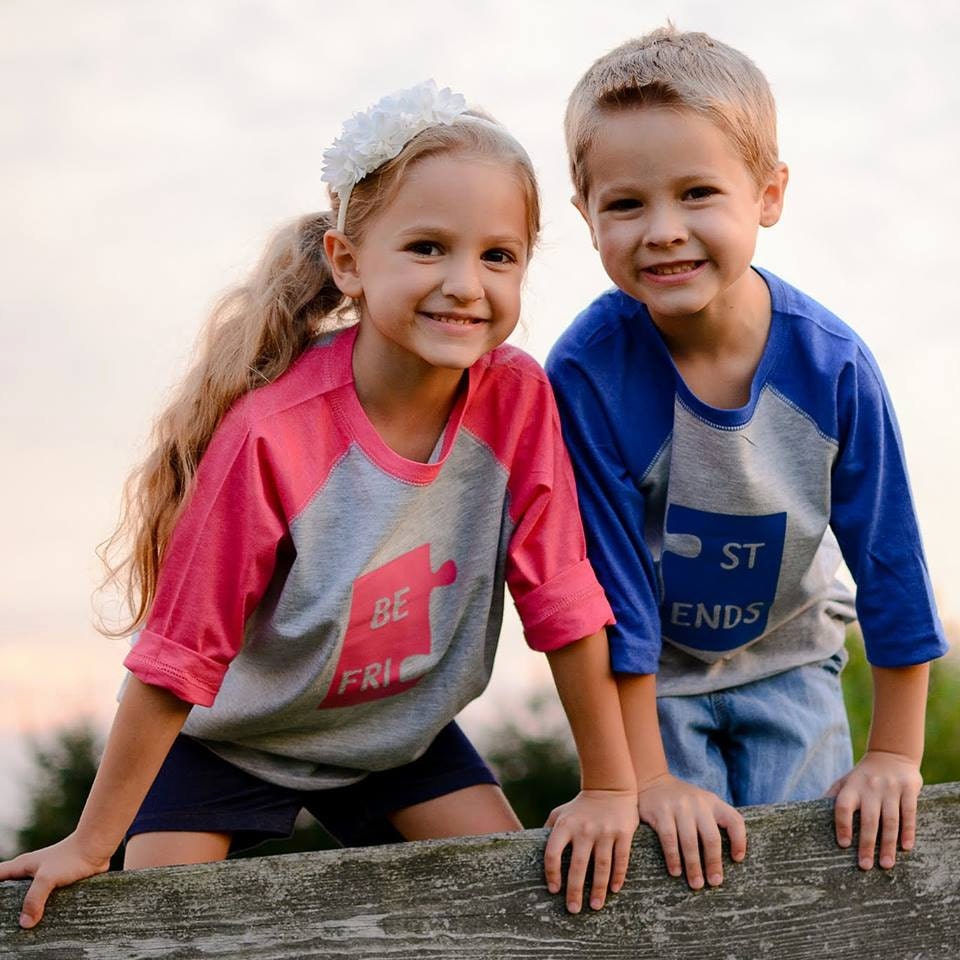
[907, 654]
[627, 656]
[571, 606]
[187, 674]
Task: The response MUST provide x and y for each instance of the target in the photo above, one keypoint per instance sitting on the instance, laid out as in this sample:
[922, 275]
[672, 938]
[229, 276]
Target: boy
[731, 439]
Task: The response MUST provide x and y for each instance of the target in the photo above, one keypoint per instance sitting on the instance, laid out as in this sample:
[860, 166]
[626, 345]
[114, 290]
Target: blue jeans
[785, 737]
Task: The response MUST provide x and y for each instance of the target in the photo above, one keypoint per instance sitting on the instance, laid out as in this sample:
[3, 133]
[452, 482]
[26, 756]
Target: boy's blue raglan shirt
[717, 534]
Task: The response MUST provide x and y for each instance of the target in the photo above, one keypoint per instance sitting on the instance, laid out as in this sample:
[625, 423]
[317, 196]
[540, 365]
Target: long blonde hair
[254, 333]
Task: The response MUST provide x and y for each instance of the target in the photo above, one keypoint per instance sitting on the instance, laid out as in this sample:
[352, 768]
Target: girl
[324, 529]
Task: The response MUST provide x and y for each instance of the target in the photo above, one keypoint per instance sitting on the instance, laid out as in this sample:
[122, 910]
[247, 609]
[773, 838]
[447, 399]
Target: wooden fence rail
[796, 897]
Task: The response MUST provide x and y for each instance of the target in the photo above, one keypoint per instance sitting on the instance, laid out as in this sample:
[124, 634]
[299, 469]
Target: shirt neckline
[357, 424]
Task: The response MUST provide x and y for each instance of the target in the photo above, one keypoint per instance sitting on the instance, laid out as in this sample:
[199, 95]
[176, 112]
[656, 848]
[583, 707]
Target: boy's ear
[342, 257]
[581, 205]
[771, 198]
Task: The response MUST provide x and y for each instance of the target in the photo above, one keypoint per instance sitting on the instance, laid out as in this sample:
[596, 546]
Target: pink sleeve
[216, 567]
[552, 583]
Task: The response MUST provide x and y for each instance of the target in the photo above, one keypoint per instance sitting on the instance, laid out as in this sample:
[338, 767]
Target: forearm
[588, 692]
[147, 722]
[638, 701]
[899, 710]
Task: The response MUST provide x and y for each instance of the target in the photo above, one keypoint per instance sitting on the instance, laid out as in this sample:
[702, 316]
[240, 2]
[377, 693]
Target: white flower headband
[371, 138]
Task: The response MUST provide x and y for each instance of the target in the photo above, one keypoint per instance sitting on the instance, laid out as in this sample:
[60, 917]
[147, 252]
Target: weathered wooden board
[797, 896]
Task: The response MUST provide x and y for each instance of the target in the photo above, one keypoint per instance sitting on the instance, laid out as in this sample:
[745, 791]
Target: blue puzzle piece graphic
[720, 598]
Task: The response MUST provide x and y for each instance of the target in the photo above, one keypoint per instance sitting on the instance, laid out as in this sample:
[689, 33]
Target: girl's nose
[462, 282]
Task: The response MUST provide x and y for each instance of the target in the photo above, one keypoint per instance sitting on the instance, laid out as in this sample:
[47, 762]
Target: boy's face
[674, 212]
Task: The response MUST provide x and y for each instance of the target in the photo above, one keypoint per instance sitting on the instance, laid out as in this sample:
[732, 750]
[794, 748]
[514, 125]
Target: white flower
[371, 138]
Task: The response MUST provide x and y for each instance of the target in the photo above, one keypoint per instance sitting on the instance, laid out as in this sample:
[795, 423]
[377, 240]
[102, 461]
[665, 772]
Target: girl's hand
[686, 817]
[883, 786]
[59, 865]
[598, 824]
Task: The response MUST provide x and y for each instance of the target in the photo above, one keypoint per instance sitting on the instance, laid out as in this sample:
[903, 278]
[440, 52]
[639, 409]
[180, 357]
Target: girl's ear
[342, 257]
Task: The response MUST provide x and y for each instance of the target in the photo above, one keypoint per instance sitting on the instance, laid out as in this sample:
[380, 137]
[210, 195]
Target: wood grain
[796, 896]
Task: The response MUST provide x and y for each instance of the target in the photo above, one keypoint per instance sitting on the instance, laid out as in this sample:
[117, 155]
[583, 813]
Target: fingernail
[716, 879]
[573, 907]
[696, 883]
[596, 903]
[616, 887]
[844, 841]
[886, 862]
[553, 887]
[26, 921]
[866, 863]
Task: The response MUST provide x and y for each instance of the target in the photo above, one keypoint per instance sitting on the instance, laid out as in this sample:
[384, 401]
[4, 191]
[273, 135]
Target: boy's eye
[699, 193]
[425, 248]
[624, 203]
[499, 255]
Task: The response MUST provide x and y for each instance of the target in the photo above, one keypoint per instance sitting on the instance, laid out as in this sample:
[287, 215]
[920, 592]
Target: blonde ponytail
[253, 335]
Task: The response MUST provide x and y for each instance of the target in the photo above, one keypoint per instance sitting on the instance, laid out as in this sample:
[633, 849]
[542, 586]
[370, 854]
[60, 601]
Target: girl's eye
[699, 193]
[499, 256]
[425, 248]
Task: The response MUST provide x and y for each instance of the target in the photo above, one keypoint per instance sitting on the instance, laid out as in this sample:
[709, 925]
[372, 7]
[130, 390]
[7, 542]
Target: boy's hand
[686, 817]
[598, 824]
[59, 865]
[883, 786]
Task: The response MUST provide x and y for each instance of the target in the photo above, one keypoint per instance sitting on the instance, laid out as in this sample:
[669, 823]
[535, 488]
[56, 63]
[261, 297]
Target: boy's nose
[462, 282]
[665, 228]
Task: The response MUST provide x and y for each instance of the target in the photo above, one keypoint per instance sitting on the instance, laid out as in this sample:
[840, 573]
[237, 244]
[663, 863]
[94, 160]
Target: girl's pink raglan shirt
[328, 605]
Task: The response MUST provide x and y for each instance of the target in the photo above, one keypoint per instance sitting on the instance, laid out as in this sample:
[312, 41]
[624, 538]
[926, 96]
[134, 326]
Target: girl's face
[439, 270]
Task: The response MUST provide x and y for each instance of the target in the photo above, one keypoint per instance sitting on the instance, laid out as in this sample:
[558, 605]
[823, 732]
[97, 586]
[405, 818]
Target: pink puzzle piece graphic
[388, 630]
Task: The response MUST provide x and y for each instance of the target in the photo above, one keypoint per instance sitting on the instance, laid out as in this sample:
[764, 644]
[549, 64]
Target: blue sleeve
[873, 517]
[613, 512]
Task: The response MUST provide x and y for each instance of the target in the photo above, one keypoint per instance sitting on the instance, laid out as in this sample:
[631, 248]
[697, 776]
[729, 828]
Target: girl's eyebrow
[437, 232]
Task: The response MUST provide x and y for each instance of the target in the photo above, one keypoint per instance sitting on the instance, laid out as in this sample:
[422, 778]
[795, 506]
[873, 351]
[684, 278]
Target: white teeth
[461, 321]
[668, 269]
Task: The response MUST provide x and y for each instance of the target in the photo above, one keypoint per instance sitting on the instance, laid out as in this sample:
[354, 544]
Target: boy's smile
[674, 212]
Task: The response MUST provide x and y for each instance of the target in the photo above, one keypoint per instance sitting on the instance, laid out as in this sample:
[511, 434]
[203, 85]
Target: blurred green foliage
[63, 772]
[941, 758]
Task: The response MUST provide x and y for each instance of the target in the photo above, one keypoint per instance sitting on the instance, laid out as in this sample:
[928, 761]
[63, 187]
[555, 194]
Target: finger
[31, 912]
[552, 819]
[552, 870]
[602, 865]
[690, 849]
[671, 848]
[621, 861]
[731, 821]
[889, 831]
[843, 811]
[577, 875]
[712, 850]
[869, 827]
[908, 820]
[16, 869]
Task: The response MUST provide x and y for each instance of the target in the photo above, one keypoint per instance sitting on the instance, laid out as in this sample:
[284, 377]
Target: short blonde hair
[683, 70]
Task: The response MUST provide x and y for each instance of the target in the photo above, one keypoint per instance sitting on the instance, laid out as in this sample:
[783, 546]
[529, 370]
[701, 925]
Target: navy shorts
[197, 791]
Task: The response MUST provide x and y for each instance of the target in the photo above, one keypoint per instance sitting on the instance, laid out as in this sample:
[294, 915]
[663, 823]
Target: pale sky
[147, 150]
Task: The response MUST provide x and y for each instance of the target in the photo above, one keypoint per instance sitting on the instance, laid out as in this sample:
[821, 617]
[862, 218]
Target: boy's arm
[147, 722]
[601, 820]
[683, 816]
[884, 785]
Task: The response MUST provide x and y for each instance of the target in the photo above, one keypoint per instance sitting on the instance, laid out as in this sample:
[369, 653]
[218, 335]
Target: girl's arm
[683, 816]
[147, 722]
[884, 785]
[601, 820]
